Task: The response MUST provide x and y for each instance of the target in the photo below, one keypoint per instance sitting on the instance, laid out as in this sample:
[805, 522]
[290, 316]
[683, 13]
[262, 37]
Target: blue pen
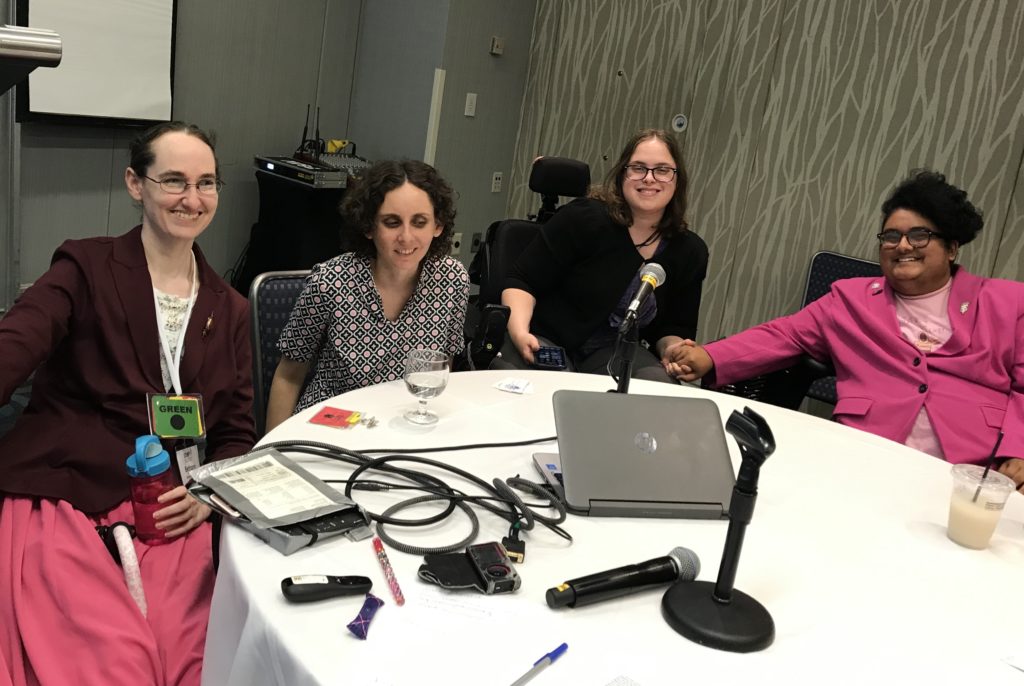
[541, 664]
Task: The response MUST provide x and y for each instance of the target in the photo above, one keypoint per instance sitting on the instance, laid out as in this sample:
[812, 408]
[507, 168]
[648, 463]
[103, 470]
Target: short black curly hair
[366, 193]
[929, 194]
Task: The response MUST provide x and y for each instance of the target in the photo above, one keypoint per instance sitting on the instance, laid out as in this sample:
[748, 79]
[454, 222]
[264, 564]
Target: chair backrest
[272, 296]
[506, 240]
[825, 268]
[557, 176]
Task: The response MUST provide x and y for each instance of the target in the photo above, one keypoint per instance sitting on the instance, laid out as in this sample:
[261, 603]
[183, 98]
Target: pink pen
[389, 573]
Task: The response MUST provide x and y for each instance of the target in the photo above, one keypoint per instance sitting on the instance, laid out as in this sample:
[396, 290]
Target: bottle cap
[149, 458]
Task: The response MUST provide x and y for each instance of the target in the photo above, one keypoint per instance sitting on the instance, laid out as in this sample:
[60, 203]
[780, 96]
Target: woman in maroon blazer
[112, 320]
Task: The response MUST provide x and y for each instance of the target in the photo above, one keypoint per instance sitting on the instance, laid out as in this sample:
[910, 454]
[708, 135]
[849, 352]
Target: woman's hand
[1014, 468]
[182, 514]
[527, 344]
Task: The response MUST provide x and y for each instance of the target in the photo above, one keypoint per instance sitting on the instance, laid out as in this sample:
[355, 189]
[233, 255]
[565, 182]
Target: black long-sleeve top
[581, 263]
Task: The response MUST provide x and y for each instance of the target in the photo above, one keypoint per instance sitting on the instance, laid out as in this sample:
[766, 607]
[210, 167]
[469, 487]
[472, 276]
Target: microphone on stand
[651, 276]
[679, 565]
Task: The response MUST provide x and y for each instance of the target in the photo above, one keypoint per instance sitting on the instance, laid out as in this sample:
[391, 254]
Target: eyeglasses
[638, 172]
[179, 186]
[918, 238]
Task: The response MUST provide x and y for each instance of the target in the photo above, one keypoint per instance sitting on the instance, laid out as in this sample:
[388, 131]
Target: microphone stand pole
[719, 616]
[625, 353]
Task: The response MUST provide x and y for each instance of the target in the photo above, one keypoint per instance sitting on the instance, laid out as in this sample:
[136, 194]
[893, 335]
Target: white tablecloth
[847, 550]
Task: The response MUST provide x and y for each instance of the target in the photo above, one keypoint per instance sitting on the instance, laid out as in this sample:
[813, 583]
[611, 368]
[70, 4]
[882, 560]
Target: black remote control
[307, 588]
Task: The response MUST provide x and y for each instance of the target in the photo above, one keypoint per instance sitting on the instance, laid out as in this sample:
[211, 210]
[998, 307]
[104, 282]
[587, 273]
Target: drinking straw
[988, 466]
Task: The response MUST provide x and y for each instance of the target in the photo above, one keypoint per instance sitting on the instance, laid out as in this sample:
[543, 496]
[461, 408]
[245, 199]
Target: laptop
[626, 455]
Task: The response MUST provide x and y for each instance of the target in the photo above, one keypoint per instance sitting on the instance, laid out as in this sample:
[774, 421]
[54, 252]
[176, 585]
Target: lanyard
[174, 362]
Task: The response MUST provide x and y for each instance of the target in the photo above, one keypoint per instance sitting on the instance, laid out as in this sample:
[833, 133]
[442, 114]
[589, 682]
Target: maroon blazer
[88, 328]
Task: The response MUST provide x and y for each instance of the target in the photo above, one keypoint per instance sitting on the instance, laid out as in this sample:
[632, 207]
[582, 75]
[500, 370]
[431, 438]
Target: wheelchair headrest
[560, 176]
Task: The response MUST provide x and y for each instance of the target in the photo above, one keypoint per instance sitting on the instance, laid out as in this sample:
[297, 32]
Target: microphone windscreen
[655, 270]
[687, 563]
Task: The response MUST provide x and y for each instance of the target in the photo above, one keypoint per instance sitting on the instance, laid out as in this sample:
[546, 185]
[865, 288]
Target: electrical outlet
[470, 110]
[474, 243]
[456, 244]
[496, 182]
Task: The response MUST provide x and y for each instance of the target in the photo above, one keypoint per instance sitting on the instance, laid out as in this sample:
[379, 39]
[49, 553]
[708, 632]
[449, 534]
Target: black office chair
[809, 377]
[506, 239]
[827, 267]
[503, 243]
[272, 296]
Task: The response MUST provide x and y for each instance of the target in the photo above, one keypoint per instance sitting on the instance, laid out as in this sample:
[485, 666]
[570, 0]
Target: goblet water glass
[426, 375]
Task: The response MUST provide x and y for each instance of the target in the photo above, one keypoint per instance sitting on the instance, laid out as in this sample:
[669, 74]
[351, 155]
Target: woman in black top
[573, 283]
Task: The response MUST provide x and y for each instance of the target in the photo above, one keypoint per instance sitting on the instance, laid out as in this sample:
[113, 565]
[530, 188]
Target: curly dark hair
[610, 192]
[928, 194]
[366, 194]
[140, 151]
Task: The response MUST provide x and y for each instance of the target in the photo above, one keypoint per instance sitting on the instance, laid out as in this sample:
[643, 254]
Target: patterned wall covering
[803, 115]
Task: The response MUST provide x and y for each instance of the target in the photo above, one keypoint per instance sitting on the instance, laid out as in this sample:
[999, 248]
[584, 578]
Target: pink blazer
[971, 386]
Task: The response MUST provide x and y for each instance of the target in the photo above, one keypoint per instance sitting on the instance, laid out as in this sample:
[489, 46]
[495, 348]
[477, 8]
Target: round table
[847, 550]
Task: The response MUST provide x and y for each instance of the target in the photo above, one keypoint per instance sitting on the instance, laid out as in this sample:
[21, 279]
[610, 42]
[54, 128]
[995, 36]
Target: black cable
[512, 508]
[453, 448]
[419, 550]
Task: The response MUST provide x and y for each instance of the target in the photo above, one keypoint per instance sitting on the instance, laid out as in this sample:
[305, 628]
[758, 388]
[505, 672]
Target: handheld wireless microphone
[652, 276]
[680, 565]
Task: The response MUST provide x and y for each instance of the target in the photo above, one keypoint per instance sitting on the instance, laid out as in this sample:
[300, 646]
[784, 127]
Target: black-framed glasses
[176, 186]
[638, 172]
[918, 238]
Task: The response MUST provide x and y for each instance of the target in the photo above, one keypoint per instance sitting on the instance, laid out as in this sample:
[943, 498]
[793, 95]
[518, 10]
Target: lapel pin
[208, 326]
[964, 307]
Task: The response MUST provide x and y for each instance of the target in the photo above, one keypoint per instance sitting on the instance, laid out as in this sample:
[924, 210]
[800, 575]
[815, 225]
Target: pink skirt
[66, 616]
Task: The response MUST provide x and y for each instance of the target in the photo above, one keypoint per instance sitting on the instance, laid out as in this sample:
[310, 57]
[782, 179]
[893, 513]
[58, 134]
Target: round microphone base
[740, 626]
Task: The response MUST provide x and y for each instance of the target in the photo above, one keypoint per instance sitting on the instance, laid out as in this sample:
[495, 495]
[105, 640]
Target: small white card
[511, 385]
[188, 462]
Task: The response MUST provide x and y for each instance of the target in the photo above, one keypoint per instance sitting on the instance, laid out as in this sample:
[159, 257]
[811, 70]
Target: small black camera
[485, 567]
[493, 566]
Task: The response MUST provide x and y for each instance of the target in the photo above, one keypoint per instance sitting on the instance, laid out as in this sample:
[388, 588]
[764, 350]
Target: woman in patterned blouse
[361, 313]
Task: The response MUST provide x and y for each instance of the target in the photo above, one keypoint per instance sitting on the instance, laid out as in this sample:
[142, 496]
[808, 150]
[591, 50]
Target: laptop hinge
[628, 508]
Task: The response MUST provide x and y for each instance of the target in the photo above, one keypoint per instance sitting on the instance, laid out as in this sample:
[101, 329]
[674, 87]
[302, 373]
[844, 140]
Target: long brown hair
[673, 220]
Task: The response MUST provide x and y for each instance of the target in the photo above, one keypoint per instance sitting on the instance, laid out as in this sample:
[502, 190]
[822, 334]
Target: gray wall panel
[804, 115]
[470, 149]
[401, 42]
[66, 189]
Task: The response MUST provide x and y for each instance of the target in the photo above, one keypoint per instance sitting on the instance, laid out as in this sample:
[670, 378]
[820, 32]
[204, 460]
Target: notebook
[626, 455]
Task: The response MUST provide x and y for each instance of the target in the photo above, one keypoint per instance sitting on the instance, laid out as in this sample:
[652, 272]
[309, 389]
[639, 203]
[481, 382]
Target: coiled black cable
[510, 506]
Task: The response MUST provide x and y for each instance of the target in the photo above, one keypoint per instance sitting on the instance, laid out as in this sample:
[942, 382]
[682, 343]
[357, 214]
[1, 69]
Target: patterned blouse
[338, 324]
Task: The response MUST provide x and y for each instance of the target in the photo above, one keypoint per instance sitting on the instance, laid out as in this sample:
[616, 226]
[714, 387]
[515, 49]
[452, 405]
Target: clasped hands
[686, 361]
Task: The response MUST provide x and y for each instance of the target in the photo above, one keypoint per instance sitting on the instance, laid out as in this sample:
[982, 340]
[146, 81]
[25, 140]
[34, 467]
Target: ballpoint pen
[541, 664]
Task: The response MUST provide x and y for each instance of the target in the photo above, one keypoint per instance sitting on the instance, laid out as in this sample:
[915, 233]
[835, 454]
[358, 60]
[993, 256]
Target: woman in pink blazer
[930, 355]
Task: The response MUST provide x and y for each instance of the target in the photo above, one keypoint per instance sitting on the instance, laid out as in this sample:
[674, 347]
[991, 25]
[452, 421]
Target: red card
[333, 416]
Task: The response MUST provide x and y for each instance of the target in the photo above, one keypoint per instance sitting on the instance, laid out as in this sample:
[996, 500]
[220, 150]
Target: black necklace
[651, 240]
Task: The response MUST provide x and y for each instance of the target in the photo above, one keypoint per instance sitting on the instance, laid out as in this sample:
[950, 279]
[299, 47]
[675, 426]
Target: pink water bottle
[150, 470]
